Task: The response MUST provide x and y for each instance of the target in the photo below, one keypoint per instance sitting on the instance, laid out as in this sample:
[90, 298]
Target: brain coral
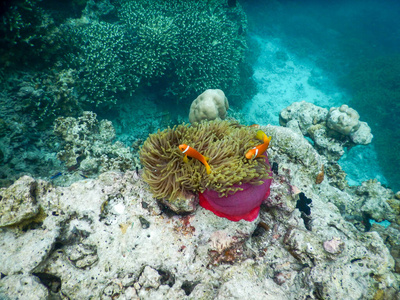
[209, 105]
[224, 142]
[343, 119]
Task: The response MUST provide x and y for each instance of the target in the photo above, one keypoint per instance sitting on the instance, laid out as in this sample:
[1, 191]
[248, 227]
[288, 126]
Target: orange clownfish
[189, 151]
[260, 149]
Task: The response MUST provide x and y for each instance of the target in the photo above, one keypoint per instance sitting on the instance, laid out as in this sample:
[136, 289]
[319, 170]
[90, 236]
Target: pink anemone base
[242, 205]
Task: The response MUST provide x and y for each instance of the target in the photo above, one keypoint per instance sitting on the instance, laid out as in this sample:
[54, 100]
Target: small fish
[189, 151]
[303, 204]
[84, 176]
[275, 167]
[58, 174]
[260, 149]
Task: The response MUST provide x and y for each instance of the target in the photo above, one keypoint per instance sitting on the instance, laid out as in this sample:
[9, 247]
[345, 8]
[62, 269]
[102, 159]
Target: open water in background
[355, 46]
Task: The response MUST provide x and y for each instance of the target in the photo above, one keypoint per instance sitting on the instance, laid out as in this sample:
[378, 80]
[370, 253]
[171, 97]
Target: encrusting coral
[224, 142]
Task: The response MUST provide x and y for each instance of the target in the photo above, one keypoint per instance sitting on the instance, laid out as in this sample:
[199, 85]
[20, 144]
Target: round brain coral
[223, 142]
[210, 105]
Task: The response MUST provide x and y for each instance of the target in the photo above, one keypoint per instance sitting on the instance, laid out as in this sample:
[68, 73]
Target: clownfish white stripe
[186, 149]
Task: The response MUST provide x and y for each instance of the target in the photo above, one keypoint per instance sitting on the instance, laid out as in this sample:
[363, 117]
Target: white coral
[362, 135]
[344, 119]
[210, 105]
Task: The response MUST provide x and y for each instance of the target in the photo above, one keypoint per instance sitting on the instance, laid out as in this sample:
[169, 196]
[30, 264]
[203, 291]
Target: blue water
[332, 53]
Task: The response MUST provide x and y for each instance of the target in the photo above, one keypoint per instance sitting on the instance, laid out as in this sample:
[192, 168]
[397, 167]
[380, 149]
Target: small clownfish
[260, 149]
[189, 151]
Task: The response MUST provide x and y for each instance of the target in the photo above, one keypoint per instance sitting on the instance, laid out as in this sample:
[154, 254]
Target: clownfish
[189, 151]
[260, 149]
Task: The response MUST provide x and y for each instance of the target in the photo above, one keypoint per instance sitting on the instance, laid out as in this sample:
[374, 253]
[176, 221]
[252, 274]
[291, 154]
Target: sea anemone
[223, 142]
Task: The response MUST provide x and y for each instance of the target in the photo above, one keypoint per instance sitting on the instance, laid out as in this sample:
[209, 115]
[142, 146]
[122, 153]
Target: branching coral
[26, 27]
[224, 142]
[153, 42]
[104, 60]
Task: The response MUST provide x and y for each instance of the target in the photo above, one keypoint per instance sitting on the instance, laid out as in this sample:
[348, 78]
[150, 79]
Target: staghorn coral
[224, 142]
[103, 59]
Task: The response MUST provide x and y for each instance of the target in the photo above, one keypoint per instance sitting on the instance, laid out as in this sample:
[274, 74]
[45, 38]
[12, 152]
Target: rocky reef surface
[108, 238]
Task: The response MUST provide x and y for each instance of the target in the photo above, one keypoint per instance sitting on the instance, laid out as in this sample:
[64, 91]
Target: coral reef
[49, 95]
[103, 59]
[111, 229]
[331, 131]
[224, 142]
[27, 28]
[209, 105]
[153, 42]
[59, 60]
[27, 145]
[345, 120]
[89, 145]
